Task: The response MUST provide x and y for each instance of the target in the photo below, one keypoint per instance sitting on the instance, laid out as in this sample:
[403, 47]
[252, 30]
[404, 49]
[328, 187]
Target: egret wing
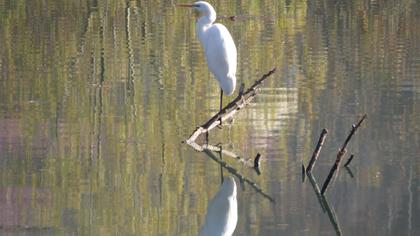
[220, 52]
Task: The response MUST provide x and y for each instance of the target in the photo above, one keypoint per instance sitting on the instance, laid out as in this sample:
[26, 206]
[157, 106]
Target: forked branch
[242, 100]
[340, 154]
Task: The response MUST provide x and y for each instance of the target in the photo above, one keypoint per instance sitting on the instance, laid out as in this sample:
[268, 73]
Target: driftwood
[340, 154]
[317, 150]
[242, 100]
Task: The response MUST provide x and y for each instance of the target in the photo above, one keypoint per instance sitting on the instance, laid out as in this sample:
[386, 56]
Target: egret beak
[185, 5]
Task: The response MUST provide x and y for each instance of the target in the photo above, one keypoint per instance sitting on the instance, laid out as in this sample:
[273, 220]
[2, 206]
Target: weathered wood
[317, 150]
[340, 154]
[242, 100]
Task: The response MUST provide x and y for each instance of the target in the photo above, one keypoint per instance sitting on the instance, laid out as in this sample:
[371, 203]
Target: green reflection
[96, 97]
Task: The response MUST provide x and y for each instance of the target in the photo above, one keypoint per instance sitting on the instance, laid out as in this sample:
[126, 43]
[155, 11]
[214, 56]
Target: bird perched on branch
[218, 45]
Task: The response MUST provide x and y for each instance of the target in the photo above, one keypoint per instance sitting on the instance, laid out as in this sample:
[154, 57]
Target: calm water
[96, 98]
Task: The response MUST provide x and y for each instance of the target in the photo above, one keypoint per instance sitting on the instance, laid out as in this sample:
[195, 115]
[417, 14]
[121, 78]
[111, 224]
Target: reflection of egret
[222, 211]
[218, 45]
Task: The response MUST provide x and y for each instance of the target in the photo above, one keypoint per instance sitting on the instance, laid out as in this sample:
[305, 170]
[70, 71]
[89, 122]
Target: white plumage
[221, 56]
[219, 47]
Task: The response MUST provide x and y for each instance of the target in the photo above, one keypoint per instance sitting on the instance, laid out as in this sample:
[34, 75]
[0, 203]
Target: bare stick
[257, 164]
[257, 160]
[349, 160]
[242, 100]
[340, 154]
[317, 150]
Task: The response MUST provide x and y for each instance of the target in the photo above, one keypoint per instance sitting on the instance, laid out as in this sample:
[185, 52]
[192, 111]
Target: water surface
[96, 98]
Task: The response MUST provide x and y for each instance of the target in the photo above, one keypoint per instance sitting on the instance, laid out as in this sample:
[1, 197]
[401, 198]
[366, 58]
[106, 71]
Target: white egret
[218, 46]
[222, 211]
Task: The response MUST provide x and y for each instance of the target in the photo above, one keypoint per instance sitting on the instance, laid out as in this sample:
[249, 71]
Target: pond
[98, 97]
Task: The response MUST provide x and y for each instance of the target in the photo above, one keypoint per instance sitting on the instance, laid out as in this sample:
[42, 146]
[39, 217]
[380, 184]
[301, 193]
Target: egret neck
[206, 19]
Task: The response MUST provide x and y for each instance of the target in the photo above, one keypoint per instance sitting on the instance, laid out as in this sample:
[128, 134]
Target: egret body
[219, 47]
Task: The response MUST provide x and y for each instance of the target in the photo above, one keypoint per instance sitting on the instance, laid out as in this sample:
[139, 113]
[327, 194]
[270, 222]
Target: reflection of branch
[101, 81]
[332, 216]
[231, 169]
[81, 46]
[225, 152]
[131, 75]
[237, 174]
[324, 204]
[255, 164]
[242, 100]
[340, 154]
[349, 160]
[316, 190]
[349, 171]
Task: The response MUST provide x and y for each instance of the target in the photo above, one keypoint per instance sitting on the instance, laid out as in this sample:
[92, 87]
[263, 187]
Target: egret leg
[221, 99]
[221, 102]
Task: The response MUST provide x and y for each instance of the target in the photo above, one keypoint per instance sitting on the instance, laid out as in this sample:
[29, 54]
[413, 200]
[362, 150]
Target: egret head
[204, 8]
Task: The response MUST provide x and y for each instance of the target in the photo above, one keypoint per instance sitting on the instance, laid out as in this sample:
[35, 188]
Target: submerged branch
[340, 154]
[242, 100]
